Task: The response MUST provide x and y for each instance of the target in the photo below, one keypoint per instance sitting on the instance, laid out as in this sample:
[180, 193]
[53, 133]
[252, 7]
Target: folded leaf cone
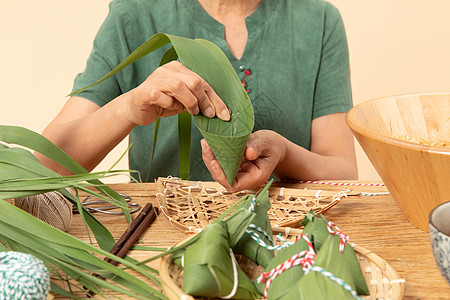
[227, 140]
[210, 269]
[316, 229]
[283, 282]
[316, 285]
[246, 245]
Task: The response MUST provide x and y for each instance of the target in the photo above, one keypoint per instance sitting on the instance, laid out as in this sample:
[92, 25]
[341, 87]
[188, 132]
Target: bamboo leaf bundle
[23, 175]
[71, 261]
[285, 280]
[320, 264]
[260, 227]
[316, 229]
[316, 285]
[210, 269]
[68, 257]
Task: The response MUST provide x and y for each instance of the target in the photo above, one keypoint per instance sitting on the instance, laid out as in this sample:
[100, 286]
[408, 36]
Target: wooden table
[373, 222]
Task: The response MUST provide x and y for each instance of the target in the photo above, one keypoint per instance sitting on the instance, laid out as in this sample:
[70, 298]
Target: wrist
[124, 110]
[282, 144]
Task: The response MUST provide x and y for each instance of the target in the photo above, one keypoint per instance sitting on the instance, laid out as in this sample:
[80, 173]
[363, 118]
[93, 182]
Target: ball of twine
[51, 207]
[23, 276]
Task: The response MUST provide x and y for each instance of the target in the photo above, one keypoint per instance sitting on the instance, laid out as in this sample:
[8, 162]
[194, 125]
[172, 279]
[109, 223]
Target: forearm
[90, 136]
[299, 163]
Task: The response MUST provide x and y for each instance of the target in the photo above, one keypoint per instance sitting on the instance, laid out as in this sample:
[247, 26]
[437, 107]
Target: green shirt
[296, 53]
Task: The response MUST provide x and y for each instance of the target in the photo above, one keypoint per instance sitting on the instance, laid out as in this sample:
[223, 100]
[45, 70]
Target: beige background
[396, 47]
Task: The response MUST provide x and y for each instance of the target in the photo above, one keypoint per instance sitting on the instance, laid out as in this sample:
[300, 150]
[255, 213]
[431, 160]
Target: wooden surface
[373, 222]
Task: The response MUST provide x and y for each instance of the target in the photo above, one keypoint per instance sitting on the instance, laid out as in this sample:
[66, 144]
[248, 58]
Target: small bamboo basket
[381, 279]
[191, 206]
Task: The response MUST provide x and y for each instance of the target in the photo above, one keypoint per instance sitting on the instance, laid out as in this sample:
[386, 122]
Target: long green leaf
[169, 56]
[65, 250]
[184, 143]
[32, 140]
[226, 139]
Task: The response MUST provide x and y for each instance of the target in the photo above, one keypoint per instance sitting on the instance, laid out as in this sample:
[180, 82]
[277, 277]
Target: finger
[250, 153]
[196, 85]
[209, 102]
[221, 110]
[165, 101]
[177, 88]
[213, 165]
[249, 176]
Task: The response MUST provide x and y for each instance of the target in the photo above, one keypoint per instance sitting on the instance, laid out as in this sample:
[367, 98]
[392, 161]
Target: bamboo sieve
[191, 206]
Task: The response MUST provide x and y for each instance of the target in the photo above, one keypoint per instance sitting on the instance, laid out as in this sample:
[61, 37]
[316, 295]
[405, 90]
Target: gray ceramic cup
[439, 224]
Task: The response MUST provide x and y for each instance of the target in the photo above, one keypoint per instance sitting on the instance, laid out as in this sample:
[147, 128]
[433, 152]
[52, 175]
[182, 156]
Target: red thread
[305, 258]
[339, 233]
[341, 183]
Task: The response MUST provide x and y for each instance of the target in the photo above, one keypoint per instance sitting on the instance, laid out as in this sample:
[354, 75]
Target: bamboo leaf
[32, 140]
[168, 56]
[226, 139]
[69, 253]
[184, 143]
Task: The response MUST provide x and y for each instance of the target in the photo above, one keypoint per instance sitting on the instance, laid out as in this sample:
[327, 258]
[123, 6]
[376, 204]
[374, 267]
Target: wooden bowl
[381, 279]
[399, 135]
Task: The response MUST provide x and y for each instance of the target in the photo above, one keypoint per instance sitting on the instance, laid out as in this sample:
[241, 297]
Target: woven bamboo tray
[381, 279]
[191, 206]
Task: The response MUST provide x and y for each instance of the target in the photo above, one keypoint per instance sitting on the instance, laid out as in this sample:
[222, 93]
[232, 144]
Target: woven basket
[382, 280]
[191, 206]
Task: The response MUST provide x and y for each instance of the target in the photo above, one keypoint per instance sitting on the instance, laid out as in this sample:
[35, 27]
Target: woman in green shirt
[292, 57]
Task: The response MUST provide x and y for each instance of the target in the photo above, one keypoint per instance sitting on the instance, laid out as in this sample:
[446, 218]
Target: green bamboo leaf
[184, 143]
[155, 42]
[285, 280]
[32, 140]
[208, 267]
[226, 139]
[155, 137]
[67, 252]
[21, 174]
[249, 247]
[315, 285]
[168, 56]
[316, 229]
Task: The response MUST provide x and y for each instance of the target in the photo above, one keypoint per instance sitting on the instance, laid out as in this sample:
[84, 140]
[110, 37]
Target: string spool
[51, 207]
[23, 276]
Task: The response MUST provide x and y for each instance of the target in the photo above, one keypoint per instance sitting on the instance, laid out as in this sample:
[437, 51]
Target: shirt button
[241, 67]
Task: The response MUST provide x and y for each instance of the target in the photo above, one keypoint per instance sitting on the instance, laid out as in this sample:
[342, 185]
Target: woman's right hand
[171, 89]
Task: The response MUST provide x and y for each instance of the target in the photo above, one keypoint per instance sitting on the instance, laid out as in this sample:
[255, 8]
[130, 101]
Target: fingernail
[196, 111]
[203, 145]
[209, 112]
[225, 114]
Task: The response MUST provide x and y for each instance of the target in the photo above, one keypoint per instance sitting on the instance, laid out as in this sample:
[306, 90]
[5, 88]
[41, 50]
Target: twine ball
[23, 276]
[51, 207]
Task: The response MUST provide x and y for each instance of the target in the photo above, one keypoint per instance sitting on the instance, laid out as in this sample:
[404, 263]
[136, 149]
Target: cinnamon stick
[145, 217]
[134, 231]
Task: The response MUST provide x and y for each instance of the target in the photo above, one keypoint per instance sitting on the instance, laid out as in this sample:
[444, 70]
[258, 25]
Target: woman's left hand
[265, 149]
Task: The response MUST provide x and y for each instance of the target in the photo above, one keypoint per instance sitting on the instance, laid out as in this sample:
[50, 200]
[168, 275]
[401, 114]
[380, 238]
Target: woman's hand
[171, 89]
[332, 156]
[265, 149]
